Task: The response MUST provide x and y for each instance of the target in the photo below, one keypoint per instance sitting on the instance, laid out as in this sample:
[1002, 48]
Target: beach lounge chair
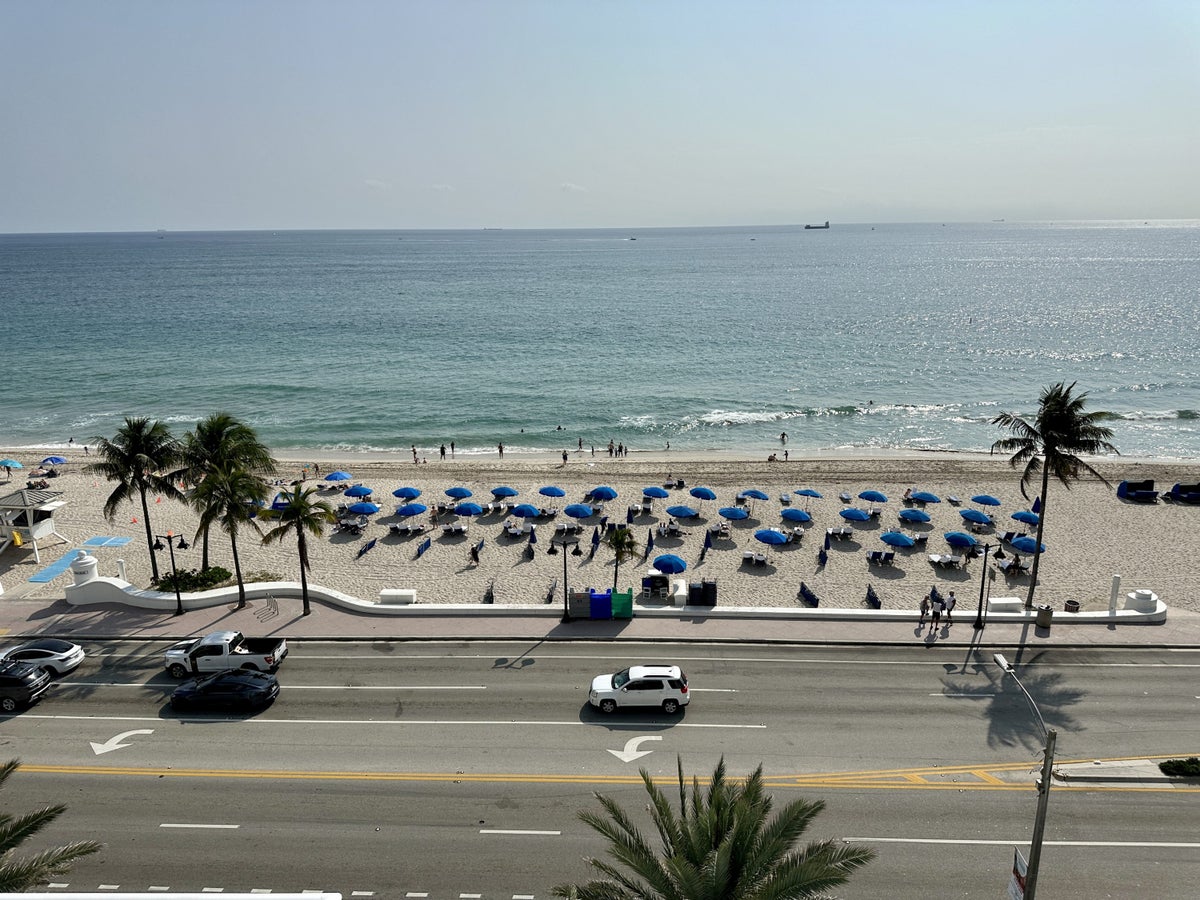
[954, 501]
[785, 499]
[844, 496]
[1184, 493]
[1138, 491]
[888, 557]
[747, 557]
[760, 559]
[874, 557]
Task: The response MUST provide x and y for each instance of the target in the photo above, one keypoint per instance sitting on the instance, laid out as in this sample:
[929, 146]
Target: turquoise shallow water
[892, 336]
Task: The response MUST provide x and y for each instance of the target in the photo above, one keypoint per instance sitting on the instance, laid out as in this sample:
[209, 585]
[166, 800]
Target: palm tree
[623, 544]
[230, 495]
[1051, 444]
[18, 875]
[302, 515]
[721, 842]
[136, 458]
[217, 440]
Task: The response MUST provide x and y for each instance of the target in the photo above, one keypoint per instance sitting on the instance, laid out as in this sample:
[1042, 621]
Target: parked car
[237, 689]
[653, 685]
[20, 684]
[55, 656]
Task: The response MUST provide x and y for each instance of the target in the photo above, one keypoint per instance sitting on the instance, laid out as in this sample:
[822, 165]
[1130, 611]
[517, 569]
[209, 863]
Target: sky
[285, 114]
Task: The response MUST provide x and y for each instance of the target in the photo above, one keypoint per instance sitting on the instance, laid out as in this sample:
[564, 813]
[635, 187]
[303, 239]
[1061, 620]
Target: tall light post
[1039, 822]
[171, 537]
[979, 620]
[564, 542]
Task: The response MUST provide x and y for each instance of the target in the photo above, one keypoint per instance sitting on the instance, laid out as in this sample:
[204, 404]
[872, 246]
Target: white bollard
[121, 570]
[1112, 598]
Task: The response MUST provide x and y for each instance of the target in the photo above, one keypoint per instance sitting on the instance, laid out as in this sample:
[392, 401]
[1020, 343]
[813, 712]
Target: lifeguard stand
[27, 516]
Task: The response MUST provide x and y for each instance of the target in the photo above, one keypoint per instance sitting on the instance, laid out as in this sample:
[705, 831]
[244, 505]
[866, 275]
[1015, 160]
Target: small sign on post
[1016, 884]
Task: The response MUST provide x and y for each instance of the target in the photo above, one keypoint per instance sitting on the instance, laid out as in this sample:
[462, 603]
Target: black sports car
[236, 689]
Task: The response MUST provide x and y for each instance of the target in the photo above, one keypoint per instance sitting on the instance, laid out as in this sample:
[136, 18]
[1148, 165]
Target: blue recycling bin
[601, 607]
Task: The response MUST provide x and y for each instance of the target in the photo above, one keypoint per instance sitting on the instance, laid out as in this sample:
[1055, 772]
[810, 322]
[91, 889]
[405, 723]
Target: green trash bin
[1045, 613]
[622, 604]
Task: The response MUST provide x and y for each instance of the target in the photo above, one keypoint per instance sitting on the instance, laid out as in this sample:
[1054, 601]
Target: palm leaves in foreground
[24, 874]
[721, 844]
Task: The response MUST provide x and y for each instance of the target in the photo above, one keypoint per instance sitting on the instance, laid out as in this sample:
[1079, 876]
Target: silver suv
[20, 684]
[654, 685]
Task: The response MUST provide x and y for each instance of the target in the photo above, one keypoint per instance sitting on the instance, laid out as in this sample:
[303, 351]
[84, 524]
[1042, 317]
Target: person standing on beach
[924, 609]
[785, 455]
[581, 443]
[500, 447]
[564, 457]
[443, 452]
[414, 449]
[951, 602]
[452, 448]
[783, 437]
[610, 447]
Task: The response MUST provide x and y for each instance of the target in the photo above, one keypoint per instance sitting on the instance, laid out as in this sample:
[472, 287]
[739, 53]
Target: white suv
[662, 686]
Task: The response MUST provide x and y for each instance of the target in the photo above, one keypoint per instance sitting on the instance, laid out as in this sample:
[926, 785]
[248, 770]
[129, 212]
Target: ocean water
[889, 336]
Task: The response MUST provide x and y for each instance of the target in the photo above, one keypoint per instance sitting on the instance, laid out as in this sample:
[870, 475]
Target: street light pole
[170, 537]
[1039, 822]
[979, 621]
[564, 542]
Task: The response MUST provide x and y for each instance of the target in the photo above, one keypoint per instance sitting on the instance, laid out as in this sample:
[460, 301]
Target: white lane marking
[196, 825]
[969, 696]
[467, 722]
[260, 890]
[58, 884]
[522, 897]
[299, 687]
[158, 887]
[713, 690]
[469, 896]
[1020, 842]
[362, 893]
[515, 831]
[107, 887]
[212, 890]
[417, 894]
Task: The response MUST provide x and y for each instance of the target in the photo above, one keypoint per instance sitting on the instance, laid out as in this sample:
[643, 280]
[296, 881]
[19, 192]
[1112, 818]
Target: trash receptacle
[1045, 613]
[622, 605]
[1071, 606]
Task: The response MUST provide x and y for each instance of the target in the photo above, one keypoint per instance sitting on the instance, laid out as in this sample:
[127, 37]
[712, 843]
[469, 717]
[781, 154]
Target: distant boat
[817, 227]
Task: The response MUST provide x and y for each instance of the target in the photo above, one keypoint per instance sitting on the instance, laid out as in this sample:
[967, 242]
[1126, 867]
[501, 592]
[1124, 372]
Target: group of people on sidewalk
[934, 605]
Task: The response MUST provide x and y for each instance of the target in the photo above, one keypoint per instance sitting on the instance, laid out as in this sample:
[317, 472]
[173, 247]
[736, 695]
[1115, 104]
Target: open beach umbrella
[896, 539]
[974, 515]
[913, 515]
[986, 500]
[469, 509]
[793, 514]
[924, 497]
[526, 511]
[655, 493]
[363, 508]
[959, 539]
[808, 492]
[734, 512]
[504, 491]
[682, 512]
[853, 514]
[579, 511]
[873, 496]
[1024, 515]
[551, 490]
[407, 493]
[669, 564]
[458, 493]
[603, 492]
[411, 509]
[770, 536]
[703, 493]
[11, 463]
[1027, 544]
[754, 494]
[338, 476]
[280, 501]
[54, 461]
[359, 490]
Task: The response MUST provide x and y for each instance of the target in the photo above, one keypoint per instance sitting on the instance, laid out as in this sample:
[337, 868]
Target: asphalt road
[458, 769]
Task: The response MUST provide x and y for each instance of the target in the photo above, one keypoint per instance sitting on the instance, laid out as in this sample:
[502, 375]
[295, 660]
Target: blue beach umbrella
[974, 515]
[54, 461]
[792, 514]
[1027, 544]
[579, 511]
[669, 564]
[604, 492]
[1037, 505]
[873, 496]
[532, 536]
[551, 490]
[655, 493]
[808, 492]
[754, 494]
[986, 500]
[703, 493]
[363, 508]
[734, 512]
[1024, 515]
[458, 493]
[359, 490]
[11, 463]
[595, 537]
[770, 536]
[959, 539]
[526, 511]
[411, 509]
[896, 539]
[913, 515]
[280, 501]
[338, 476]
[504, 491]
[407, 493]
[853, 514]
[682, 512]
[469, 509]
[925, 497]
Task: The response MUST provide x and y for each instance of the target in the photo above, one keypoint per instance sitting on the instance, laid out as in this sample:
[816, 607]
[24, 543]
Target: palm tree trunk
[237, 570]
[616, 571]
[204, 551]
[1037, 550]
[149, 534]
[303, 572]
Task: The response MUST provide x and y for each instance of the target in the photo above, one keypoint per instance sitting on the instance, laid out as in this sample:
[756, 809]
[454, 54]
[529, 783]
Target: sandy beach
[1090, 534]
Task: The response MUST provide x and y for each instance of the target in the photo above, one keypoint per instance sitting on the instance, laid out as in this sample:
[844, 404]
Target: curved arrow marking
[114, 743]
[631, 751]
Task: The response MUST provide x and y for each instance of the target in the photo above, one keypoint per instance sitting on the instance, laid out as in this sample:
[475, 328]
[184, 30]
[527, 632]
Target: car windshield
[621, 678]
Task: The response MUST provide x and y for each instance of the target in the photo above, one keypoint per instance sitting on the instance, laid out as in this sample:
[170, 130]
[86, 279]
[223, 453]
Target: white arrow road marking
[631, 751]
[114, 743]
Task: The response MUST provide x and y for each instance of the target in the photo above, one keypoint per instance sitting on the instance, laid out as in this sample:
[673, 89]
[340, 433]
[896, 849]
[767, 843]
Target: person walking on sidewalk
[924, 609]
[951, 602]
[936, 616]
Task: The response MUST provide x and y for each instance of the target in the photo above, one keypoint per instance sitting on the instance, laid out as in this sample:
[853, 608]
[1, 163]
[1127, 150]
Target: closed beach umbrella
[363, 508]
[359, 490]
[754, 494]
[579, 511]
[504, 491]
[1028, 545]
[338, 476]
[853, 514]
[469, 509]
[959, 539]
[411, 509]
[1037, 505]
[913, 515]
[655, 493]
[703, 493]
[629, 516]
[924, 497]
[770, 536]
[551, 490]
[974, 515]
[407, 493]
[54, 461]
[526, 511]
[792, 514]
[708, 540]
[669, 564]
[604, 492]
[896, 539]
[596, 536]
[532, 536]
[986, 500]
[458, 493]
[1024, 515]
[873, 496]
[734, 512]
[682, 512]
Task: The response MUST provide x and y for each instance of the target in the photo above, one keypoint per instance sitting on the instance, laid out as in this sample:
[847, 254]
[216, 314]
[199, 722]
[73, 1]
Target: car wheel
[670, 706]
[177, 670]
[8, 704]
[607, 706]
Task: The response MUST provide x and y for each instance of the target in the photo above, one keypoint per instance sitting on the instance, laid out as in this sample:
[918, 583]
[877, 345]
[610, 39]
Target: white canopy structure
[27, 516]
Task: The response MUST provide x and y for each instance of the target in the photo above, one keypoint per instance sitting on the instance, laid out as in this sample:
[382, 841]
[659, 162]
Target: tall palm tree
[18, 875]
[230, 495]
[722, 842]
[303, 514]
[1052, 444]
[217, 440]
[623, 544]
[136, 458]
